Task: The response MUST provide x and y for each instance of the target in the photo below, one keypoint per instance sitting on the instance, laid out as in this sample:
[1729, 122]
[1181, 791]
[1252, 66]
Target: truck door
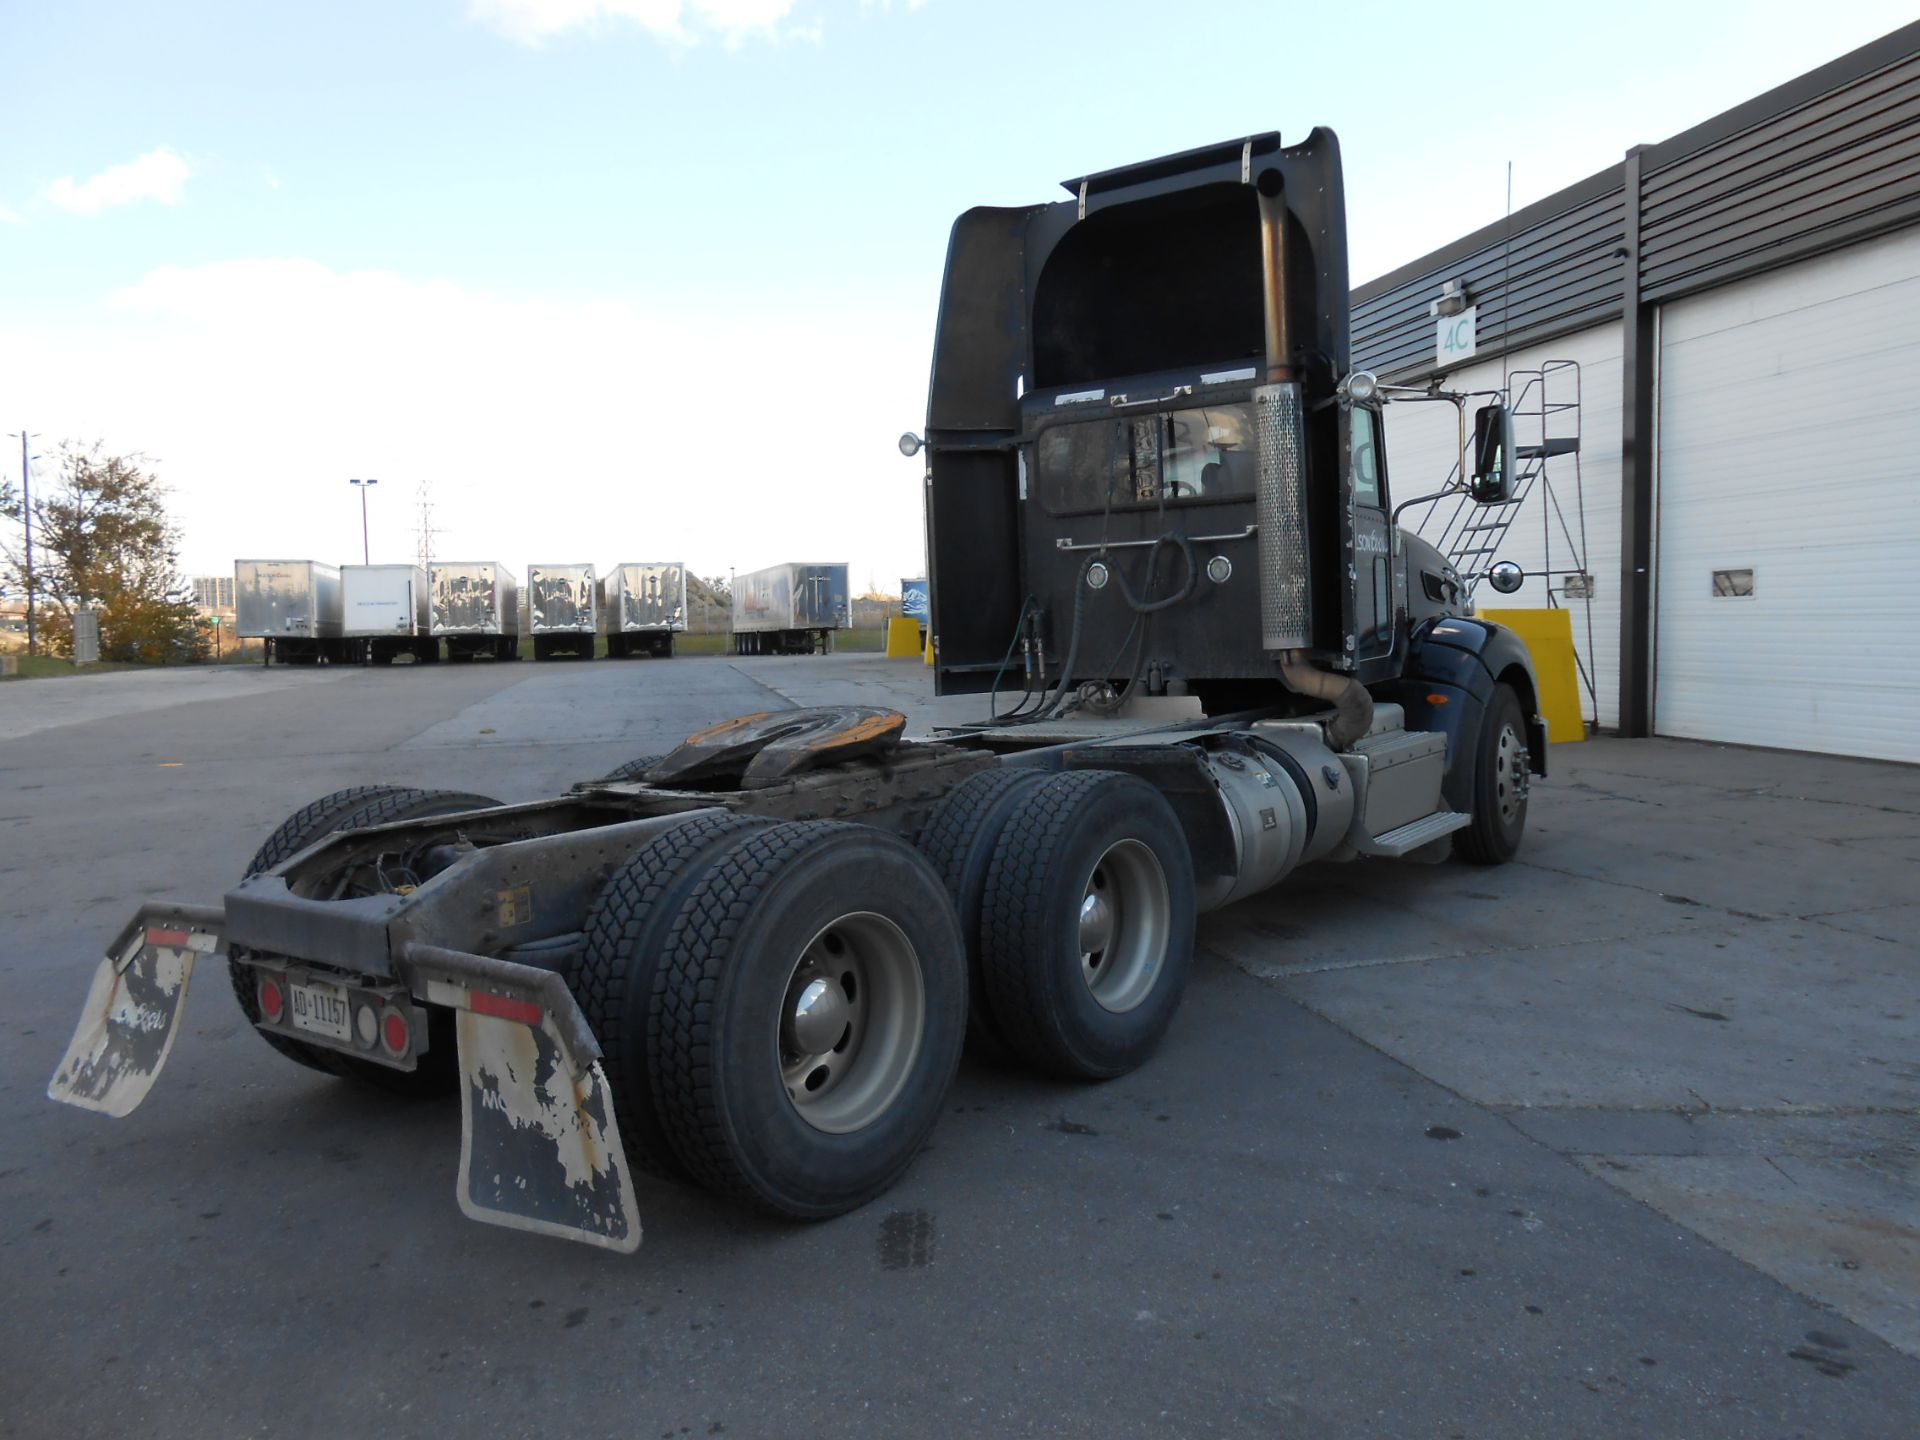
[1372, 555]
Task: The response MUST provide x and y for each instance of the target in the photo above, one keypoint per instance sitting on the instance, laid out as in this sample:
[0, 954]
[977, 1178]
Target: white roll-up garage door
[1788, 600]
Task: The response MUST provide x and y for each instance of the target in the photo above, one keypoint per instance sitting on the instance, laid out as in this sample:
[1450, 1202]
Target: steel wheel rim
[851, 1022]
[1124, 921]
[1510, 774]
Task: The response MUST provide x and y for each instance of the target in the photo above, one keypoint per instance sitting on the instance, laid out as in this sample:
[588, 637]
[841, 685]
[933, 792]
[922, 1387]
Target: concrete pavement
[1618, 1139]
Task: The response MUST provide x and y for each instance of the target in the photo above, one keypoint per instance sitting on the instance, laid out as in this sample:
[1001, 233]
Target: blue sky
[633, 279]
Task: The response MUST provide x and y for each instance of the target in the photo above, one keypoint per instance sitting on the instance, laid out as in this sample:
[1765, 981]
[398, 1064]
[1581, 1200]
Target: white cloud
[678, 22]
[8, 217]
[156, 175]
[596, 430]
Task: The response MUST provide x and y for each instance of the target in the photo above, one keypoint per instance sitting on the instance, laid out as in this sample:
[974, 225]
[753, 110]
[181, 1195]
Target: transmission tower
[424, 529]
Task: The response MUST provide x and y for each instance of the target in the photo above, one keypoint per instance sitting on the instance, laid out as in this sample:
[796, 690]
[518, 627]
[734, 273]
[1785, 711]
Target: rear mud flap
[133, 1009]
[539, 1145]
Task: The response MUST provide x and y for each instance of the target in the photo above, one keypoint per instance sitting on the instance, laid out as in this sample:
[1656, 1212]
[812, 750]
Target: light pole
[363, 484]
[26, 515]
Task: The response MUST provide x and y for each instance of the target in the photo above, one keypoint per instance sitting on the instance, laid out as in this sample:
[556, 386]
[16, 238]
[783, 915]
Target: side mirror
[1492, 480]
[1506, 577]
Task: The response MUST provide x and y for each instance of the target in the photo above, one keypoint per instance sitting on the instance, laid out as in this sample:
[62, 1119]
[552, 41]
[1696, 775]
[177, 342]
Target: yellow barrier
[928, 657]
[1549, 638]
[903, 638]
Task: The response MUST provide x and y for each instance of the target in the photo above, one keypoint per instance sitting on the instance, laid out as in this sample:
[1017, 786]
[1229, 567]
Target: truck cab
[1151, 470]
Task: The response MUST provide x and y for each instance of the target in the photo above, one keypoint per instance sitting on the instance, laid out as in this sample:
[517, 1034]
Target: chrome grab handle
[1067, 543]
[1122, 402]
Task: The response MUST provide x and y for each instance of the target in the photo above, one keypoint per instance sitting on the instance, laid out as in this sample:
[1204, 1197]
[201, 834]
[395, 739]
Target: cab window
[1363, 456]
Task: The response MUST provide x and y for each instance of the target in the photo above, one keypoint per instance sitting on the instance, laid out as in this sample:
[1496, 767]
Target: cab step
[1410, 837]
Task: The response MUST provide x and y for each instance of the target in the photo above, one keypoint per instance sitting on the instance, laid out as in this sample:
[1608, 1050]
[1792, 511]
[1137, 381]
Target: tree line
[102, 541]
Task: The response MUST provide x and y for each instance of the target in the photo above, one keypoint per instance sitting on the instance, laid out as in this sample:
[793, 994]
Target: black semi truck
[1158, 513]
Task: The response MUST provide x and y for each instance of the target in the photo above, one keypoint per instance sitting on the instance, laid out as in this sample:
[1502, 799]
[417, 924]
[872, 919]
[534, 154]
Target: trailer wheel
[807, 1016]
[1086, 930]
[350, 810]
[612, 976]
[1499, 784]
[959, 842]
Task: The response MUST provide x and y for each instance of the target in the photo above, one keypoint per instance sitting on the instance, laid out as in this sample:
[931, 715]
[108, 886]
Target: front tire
[807, 1017]
[1087, 924]
[1500, 784]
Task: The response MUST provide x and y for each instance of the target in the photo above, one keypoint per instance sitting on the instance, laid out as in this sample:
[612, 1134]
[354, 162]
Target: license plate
[320, 1009]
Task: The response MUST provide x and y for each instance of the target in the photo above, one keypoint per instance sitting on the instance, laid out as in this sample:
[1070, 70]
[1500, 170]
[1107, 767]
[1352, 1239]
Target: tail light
[396, 1035]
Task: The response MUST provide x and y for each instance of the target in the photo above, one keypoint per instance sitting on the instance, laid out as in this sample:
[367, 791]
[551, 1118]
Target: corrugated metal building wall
[1826, 166]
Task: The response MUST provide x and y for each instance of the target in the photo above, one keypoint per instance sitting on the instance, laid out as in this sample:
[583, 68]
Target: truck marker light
[174, 939]
[525, 1011]
[272, 1003]
[1436, 699]
[395, 1033]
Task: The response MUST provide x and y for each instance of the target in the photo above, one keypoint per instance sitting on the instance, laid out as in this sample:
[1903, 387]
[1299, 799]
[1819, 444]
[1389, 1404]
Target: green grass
[845, 642]
[47, 667]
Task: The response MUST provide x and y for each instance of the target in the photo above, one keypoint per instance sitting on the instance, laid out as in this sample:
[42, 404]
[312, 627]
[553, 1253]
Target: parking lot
[1616, 1139]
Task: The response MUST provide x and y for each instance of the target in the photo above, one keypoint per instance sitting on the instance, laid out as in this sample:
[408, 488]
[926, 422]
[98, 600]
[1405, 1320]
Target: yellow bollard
[903, 638]
[1549, 639]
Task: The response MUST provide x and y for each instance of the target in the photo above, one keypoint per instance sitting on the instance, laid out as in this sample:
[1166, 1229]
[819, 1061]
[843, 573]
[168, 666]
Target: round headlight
[911, 444]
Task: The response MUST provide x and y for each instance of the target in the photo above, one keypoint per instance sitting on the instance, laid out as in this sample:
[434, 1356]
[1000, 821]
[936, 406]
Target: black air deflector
[1161, 284]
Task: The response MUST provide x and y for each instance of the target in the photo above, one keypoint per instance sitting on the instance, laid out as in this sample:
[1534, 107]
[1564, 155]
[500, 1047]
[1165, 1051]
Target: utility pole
[364, 486]
[26, 512]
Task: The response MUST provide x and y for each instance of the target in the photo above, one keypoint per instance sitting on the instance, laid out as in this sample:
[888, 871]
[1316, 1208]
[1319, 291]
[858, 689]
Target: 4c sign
[1453, 338]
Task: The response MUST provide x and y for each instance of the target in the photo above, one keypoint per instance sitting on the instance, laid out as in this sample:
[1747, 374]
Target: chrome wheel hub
[1096, 921]
[821, 1014]
[1125, 922]
[1510, 774]
[851, 1022]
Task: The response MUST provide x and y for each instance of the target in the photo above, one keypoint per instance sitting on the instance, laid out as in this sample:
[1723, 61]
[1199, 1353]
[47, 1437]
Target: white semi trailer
[791, 609]
[292, 607]
[560, 610]
[476, 609]
[386, 611]
[642, 607]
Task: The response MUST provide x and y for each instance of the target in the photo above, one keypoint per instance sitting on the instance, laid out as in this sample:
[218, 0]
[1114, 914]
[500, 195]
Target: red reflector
[174, 938]
[271, 1001]
[1436, 699]
[394, 1033]
[525, 1011]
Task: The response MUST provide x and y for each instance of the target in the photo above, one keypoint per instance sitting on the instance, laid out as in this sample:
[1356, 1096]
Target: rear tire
[959, 841]
[439, 1069]
[634, 769]
[613, 974]
[1087, 924]
[1500, 783]
[795, 932]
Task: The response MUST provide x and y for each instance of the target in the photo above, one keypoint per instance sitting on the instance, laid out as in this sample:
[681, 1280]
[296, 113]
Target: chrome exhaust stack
[1286, 610]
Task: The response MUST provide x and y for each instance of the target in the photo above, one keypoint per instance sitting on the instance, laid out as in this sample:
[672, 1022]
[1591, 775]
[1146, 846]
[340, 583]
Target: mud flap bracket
[539, 1144]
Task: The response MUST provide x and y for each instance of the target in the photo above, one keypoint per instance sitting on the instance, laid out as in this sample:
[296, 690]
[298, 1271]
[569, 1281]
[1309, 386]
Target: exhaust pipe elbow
[1353, 706]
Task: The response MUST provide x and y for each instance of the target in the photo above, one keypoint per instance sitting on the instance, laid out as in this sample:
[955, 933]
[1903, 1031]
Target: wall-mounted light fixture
[1453, 299]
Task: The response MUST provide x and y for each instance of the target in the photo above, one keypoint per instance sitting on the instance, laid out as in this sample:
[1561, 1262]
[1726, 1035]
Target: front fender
[1453, 663]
